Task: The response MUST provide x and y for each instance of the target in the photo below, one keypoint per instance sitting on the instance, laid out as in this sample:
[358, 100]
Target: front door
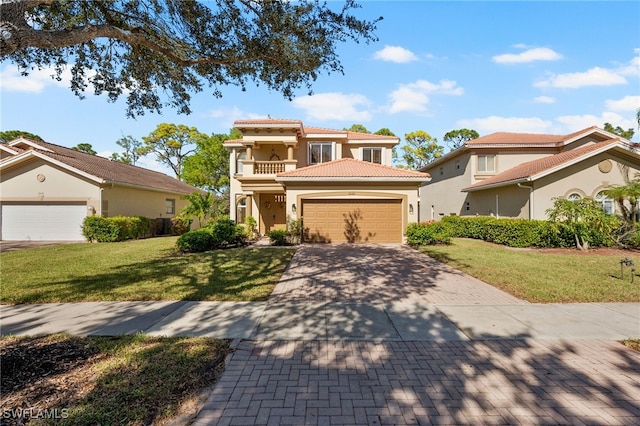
[272, 212]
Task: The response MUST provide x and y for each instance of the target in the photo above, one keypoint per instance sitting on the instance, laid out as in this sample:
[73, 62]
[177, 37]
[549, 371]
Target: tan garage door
[354, 221]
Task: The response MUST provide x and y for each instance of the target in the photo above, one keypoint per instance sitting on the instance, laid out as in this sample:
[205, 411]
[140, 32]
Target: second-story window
[242, 155]
[373, 155]
[320, 152]
[486, 163]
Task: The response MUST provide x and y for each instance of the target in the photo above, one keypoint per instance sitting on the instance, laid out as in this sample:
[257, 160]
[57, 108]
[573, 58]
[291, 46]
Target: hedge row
[117, 228]
[509, 232]
[218, 234]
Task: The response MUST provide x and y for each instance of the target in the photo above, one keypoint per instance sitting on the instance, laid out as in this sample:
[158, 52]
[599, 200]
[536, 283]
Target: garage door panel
[40, 222]
[353, 221]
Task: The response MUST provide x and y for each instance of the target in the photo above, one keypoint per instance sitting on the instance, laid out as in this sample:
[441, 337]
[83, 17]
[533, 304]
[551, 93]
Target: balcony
[268, 167]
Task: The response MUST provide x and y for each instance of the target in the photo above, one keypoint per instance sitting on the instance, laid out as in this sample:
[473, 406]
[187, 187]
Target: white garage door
[43, 222]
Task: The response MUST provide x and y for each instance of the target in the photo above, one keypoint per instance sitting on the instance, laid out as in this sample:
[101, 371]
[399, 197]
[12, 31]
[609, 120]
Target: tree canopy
[171, 144]
[357, 128]
[627, 134]
[84, 147]
[456, 138]
[142, 49]
[420, 149]
[208, 166]
[10, 135]
[131, 152]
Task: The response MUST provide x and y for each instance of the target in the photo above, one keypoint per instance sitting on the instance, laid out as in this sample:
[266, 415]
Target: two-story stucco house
[47, 190]
[518, 174]
[340, 183]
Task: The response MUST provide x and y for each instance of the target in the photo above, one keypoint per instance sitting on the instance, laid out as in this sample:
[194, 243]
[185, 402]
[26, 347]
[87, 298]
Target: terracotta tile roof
[265, 122]
[351, 168]
[532, 168]
[115, 171]
[506, 138]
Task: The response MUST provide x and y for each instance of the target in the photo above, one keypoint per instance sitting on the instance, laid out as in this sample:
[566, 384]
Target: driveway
[502, 376]
[380, 274]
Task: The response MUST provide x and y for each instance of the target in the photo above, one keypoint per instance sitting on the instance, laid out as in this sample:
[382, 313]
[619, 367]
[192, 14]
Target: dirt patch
[43, 376]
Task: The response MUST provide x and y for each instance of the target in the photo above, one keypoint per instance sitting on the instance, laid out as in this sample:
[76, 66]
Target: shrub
[195, 241]
[427, 233]
[99, 229]
[180, 225]
[468, 227]
[278, 237]
[516, 232]
[633, 240]
[225, 232]
[294, 230]
[117, 228]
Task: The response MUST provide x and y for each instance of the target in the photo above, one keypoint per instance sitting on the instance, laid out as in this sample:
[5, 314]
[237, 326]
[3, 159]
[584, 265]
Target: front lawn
[544, 276]
[139, 270]
[131, 380]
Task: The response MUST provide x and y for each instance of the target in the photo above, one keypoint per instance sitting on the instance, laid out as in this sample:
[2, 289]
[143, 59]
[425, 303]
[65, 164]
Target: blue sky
[538, 67]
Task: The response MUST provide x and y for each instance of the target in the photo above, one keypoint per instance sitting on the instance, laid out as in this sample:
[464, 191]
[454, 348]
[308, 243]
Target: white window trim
[495, 159]
[333, 151]
[382, 153]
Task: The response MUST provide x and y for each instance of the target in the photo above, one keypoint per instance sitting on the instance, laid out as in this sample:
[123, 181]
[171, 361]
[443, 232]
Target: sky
[552, 67]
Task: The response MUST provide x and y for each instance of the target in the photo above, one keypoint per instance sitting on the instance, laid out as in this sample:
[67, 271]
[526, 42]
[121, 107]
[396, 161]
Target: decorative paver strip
[463, 382]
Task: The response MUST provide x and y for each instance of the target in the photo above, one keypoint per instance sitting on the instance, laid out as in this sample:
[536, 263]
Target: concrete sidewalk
[394, 321]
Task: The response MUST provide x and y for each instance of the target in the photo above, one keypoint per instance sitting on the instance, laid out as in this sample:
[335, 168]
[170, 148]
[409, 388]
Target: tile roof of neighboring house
[530, 169]
[112, 171]
[351, 168]
[506, 138]
[265, 122]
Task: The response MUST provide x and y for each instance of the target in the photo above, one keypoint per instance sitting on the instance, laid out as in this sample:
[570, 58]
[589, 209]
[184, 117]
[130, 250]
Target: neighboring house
[518, 174]
[47, 190]
[340, 183]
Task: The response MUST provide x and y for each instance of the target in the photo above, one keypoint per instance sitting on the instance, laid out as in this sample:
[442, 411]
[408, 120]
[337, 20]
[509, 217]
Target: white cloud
[11, 80]
[334, 106]
[531, 55]
[227, 115]
[495, 123]
[594, 77]
[414, 97]
[396, 54]
[628, 103]
[544, 100]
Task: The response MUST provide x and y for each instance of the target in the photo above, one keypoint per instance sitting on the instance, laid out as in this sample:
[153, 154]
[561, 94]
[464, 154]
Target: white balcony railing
[268, 167]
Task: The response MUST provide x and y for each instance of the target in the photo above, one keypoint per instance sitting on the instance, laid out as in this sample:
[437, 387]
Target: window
[486, 163]
[241, 210]
[170, 204]
[242, 155]
[320, 152]
[574, 196]
[372, 155]
[607, 203]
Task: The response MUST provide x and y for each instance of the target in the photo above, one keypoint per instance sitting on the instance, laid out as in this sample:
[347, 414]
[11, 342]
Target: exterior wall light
[293, 208]
[410, 208]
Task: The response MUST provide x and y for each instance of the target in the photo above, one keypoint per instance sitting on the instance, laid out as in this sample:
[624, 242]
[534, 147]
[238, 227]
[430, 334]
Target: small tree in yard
[200, 205]
[584, 218]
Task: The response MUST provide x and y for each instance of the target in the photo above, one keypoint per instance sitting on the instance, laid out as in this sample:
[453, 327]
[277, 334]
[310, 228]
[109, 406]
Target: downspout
[530, 188]
[497, 206]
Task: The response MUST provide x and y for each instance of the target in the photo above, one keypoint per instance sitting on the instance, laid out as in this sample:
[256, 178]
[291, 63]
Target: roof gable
[100, 169]
[536, 169]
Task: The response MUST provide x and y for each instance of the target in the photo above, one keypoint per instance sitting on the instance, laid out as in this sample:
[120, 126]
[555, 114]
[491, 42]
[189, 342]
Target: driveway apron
[381, 334]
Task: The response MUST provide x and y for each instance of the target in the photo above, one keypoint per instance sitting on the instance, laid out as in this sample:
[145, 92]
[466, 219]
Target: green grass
[138, 270]
[110, 380]
[542, 277]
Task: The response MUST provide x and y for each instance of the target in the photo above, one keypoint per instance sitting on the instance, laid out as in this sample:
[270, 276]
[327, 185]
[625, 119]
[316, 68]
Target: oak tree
[142, 49]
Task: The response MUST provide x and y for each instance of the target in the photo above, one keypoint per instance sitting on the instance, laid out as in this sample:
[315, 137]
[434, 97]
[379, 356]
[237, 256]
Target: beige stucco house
[517, 175]
[340, 183]
[47, 190]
